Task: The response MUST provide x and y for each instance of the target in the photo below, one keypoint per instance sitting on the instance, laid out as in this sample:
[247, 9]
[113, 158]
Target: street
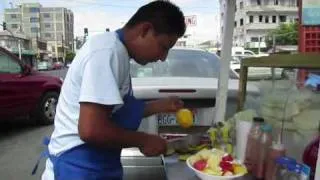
[20, 149]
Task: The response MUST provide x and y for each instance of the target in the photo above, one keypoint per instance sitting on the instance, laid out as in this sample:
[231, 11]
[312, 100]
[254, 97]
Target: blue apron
[86, 162]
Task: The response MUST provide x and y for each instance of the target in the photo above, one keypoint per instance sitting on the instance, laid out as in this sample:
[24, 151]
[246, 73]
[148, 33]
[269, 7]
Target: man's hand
[166, 105]
[170, 104]
[153, 146]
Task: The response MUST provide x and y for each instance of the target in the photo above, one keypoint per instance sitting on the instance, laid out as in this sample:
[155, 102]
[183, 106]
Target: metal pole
[273, 51]
[259, 45]
[19, 47]
[221, 95]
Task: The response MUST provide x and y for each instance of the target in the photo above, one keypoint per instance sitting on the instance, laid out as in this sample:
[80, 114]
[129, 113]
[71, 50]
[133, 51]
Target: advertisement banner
[311, 12]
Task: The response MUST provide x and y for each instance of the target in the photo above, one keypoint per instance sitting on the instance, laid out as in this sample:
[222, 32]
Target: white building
[255, 18]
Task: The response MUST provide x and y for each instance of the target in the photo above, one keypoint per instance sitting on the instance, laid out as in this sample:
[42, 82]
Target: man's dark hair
[165, 17]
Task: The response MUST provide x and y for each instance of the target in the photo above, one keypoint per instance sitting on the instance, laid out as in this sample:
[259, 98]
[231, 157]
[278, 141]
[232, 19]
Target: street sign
[191, 20]
[311, 12]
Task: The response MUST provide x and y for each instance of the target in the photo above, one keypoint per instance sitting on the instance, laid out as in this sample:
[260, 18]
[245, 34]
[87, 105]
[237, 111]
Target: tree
[69, 57]
[285, 34]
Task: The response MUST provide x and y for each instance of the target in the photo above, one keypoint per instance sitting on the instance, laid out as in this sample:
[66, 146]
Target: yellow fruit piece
[185, 118]
[212, 172]
[239, 169]
[205, 154]
[213, 162]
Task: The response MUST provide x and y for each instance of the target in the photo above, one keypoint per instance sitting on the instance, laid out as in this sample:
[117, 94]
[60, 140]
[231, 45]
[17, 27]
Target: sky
[97, 15]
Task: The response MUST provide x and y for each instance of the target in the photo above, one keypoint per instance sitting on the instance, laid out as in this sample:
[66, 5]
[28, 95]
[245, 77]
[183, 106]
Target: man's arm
[170, 104]
[95, 127]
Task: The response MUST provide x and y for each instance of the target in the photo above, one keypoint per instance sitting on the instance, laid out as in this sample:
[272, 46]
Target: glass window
[13, 16]
[260, 18]
[274, 19]
[34, 29]
[34, 19]
[251, 19]
[14, 26]
[241, 5]
[46, 15]
[7, 65]
[47, 25]
[266, 20]
[34, 10]
[181, 63]
[283, 18]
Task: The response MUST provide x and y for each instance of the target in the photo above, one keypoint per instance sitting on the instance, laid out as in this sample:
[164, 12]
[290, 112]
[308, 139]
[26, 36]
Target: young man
[97, 114]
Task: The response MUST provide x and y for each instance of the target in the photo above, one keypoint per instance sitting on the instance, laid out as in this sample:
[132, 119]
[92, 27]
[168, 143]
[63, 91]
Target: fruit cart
[295, 61]
[291, 61]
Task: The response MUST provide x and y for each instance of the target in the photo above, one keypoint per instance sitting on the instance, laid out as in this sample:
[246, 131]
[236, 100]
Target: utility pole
[62, 45]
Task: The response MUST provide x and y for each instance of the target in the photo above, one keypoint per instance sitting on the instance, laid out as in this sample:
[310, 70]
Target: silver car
[190, 74]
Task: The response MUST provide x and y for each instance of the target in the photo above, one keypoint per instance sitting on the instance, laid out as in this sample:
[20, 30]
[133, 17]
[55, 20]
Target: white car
[190, 74]
[255, 72]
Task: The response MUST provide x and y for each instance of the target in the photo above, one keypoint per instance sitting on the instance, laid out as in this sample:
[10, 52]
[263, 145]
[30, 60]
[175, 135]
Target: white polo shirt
[99, 73]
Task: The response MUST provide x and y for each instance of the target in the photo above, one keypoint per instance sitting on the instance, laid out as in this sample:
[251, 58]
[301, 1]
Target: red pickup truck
[25, 92]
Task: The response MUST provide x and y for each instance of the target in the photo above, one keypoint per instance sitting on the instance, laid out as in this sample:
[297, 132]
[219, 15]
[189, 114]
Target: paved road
[20, 146]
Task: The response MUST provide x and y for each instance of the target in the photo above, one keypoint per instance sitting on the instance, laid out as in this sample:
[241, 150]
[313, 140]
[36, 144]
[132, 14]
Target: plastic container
[265, 142]
[281, 167]
[251, 155]
[293, 172]
[276, 151]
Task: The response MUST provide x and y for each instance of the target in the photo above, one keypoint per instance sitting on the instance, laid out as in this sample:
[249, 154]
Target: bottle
[276, 150]
[252, 143]
[265, 142]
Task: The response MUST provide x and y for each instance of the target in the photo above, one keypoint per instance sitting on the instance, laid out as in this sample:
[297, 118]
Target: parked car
[44, 66]
[25, 92]
[58, 65]
[192, 75]
[255, 72]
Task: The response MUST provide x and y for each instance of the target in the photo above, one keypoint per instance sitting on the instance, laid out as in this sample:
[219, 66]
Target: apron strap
[44, 154]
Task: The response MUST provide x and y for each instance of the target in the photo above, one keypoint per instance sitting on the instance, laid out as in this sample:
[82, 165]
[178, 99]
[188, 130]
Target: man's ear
[145, 29]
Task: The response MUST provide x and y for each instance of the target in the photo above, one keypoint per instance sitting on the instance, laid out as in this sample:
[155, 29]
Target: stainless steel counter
[137, 166]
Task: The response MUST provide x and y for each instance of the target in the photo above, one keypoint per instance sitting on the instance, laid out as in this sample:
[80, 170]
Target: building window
[260, 18]
[47, 25]
[241, 5]
[276, 2]
[259, 2]
[254, 39]
[241, 22]
[34, 29]
[251, 19]
[46, 15]
[13, 16]
[14, 26]
[266, 20]
[283, 18]
[47, 35]
[34, 19]
[235, 24]
[274, 19]
[34, 10]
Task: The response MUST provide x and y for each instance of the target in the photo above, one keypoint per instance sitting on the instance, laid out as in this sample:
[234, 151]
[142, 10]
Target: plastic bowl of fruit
[215, 164]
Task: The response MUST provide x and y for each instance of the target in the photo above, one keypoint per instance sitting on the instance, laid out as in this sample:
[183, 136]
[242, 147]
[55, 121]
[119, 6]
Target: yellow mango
[185, 118]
